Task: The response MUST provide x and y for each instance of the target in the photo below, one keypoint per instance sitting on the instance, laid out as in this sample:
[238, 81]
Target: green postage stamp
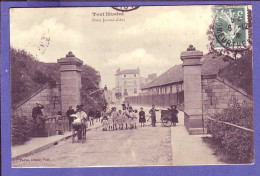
[231, 27]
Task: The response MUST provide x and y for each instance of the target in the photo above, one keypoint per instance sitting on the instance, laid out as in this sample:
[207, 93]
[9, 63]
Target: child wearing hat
[110, 121]
[142, 119]
[104, 122]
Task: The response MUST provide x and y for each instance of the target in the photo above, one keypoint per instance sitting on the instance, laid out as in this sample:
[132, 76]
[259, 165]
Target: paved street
[142, 146]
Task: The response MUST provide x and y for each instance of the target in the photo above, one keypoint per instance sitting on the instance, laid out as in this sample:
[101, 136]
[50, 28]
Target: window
[124, 75]
[135, 90]
[135, 82]
[125, 83]
[134, 75]
[125, 92]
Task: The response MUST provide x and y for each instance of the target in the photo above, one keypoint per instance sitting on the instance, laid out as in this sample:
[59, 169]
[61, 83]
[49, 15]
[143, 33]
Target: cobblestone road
[142, 146]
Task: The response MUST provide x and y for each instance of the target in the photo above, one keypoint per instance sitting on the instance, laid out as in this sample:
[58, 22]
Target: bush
[21, 129]
[236, 145]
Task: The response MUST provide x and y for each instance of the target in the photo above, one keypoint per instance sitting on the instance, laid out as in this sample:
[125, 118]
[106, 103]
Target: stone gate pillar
[192, 90]
[70, 76]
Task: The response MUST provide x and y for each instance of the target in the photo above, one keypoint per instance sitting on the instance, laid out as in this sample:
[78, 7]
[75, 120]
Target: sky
[150, 38]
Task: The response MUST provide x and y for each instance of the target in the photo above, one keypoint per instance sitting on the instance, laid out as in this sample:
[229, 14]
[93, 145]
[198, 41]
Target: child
[59, 123]
[104, 122]
[142, 119]
[134, 118]
[120, 120]
[110, 122]
[114, 117]
[131, 118]
[125, 119]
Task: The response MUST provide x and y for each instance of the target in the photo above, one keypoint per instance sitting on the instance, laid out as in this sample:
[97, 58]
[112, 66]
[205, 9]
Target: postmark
[125, 8]
[231, 27]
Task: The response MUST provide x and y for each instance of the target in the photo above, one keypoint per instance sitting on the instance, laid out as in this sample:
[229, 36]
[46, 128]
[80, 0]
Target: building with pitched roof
[171, 81]
[196, 86]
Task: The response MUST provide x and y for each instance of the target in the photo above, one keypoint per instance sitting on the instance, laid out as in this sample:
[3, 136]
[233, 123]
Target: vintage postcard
[131, 86]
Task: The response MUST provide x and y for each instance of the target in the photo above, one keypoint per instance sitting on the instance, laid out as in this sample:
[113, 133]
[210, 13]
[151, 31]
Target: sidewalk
[186, 149]
[190, 149]
[38, 144]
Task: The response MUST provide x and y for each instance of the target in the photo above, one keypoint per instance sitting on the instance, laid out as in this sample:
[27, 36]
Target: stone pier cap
[191, 56]
[70, 59]
[70, 62]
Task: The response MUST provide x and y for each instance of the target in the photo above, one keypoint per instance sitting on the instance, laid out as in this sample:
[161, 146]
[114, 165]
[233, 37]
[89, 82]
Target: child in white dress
[135, 118]
[110, 122]
[114, 118]
[125, 118]
[104, 122]
[120, 120]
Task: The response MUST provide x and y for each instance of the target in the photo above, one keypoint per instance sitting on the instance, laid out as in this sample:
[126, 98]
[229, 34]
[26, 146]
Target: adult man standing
[153, 115]
[91, 115]
[37, 116]
[69, 112]
[98, 115]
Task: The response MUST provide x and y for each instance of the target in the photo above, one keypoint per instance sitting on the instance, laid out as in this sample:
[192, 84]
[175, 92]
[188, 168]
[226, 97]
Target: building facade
[128, 82]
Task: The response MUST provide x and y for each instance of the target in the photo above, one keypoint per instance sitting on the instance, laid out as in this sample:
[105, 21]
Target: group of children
[127, 117]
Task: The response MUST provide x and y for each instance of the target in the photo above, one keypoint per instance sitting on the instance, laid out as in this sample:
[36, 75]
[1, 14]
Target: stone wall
[48, 96]
[218, 93]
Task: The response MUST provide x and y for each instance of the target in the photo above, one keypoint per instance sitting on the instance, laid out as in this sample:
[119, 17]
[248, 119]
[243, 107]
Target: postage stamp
[231, 27]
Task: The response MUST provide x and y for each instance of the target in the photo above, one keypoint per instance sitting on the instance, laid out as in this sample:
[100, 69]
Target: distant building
[143, 81]
[110, 96]
[151, 77]
[128, 82]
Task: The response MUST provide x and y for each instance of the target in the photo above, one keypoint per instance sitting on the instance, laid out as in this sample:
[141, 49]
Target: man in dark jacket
[69, 112]
[37, 119]
[91, 115]
[153, 115]
[98, 115]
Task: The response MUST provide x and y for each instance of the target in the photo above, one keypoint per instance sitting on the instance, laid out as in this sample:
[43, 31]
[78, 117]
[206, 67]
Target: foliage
[28, 75]
[21, 129]
[235, 144]
[240, 73]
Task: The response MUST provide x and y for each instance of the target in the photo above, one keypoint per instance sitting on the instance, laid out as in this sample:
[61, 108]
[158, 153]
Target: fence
[163, 100]
[51, 125]
[231, 124]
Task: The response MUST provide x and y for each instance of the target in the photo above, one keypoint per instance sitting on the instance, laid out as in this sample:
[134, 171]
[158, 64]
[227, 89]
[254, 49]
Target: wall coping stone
[225, 81]
[16, 106]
